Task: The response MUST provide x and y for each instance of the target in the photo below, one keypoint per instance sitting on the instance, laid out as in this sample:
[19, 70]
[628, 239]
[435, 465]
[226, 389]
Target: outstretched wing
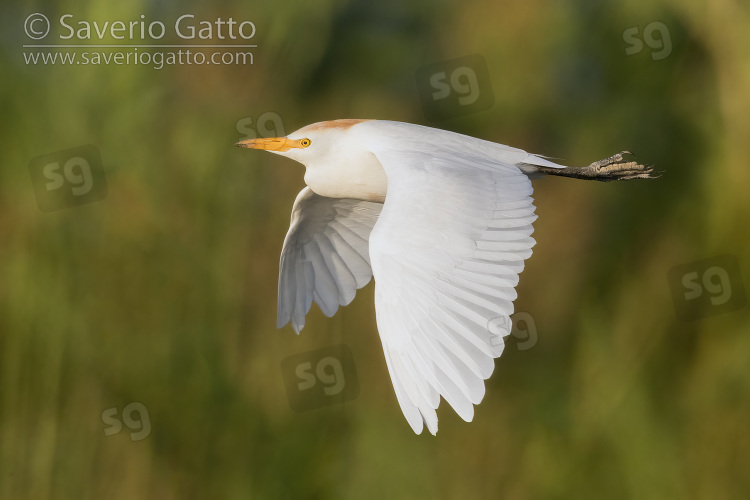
[446, 253]
[325, 256]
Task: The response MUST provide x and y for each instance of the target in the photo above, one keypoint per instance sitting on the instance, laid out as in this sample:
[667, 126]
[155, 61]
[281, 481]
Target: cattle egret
[443, 223]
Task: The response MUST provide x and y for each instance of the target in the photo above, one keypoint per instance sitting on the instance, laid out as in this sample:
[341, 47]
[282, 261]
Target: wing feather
[446, 252]
[325, 257]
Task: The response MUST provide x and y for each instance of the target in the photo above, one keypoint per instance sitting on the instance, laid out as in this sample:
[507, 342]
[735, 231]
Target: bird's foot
[616, 168]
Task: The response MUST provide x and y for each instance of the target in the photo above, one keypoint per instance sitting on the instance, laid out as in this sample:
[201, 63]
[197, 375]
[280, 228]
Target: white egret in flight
[443, 223]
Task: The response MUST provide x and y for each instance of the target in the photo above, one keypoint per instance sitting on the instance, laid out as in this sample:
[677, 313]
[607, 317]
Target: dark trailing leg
[614, 168]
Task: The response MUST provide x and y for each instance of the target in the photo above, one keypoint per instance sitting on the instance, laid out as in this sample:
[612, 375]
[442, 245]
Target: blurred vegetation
[165, 292]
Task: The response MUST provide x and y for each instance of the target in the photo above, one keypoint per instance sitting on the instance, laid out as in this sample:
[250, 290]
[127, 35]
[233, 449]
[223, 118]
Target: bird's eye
[304, 142]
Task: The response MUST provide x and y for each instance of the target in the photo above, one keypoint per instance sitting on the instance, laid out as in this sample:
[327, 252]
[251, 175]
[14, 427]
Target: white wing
[446, 253]
[325, 257]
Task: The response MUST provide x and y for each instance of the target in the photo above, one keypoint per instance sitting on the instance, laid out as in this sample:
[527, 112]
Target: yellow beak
[269, 144]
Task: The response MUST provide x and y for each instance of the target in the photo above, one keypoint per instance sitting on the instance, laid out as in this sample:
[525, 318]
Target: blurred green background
[164, 292]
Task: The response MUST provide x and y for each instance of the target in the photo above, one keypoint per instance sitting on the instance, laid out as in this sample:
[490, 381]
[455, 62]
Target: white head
[338, 164]
[308, 145]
